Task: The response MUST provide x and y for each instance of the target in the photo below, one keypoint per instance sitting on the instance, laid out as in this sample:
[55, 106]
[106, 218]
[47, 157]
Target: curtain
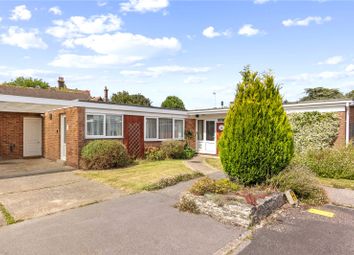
[178, 129]
[114, 125]
[165, 128]
[151, 128]
[95, 124]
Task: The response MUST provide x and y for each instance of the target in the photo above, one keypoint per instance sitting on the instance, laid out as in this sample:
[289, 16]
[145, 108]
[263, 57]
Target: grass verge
[8, 217]
[214, 162]
[141, 176]
[337, 183]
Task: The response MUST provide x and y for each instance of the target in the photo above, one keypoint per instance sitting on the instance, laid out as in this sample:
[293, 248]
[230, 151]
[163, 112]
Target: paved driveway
[145, 223]
[41, 194]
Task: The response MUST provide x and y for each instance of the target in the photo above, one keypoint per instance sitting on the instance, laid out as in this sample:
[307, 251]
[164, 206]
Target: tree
[28, 82]
[123, 97]
[350, 94]
[257, 141]
[321, 93]
[173, 102]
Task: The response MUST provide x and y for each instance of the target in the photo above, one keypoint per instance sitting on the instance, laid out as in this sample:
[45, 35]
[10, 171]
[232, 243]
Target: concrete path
[344, 197]
[34, 196]
[198, 165]
[145, 223]
[297, 231]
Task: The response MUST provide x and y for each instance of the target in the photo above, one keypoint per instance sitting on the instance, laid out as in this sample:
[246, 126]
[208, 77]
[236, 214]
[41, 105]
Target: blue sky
[185, 48]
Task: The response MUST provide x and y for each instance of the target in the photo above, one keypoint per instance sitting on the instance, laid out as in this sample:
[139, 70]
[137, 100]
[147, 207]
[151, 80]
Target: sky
[190, 49]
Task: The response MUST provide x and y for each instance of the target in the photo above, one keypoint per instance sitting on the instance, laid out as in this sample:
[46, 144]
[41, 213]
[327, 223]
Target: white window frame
[104, 136]
[157, 129]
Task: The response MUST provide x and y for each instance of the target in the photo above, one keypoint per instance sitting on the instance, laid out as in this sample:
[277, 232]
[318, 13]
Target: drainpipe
[347, 122]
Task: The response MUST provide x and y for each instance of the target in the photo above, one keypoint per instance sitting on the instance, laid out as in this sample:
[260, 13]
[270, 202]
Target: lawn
[338, 183]
[214, 162]
[137, 177]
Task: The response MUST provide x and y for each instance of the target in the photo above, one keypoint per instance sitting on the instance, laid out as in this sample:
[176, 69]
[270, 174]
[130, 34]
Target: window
[151, 128]
[178, 129]
[114, 125]
[164, 128]
[94, 125]
[104, 125]
[200, 130]
[210, 130]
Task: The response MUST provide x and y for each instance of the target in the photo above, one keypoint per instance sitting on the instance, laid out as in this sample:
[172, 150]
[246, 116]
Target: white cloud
[29, 72]
[77, 26]
[101, 3]
[306, 21]
[144, 5]
[0, 19]
[20, 12]
[157, 71]
[349, 68]
[55, 10]
[194, 80]
[124, 43]
[248, 30]
[210, 32]
[17, 36]
[260, 1]
[335, 60]
[90, 61]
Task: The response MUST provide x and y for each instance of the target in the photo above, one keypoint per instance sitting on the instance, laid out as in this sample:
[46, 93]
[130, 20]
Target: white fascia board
[134, 113]
[55, 103]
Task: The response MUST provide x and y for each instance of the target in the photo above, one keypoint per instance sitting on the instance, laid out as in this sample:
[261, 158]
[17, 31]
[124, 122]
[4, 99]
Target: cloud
[77, 26]
[210, 32]
[101, 3]
[157, 71]
[124, 43]
[20, 12]
[0, 19]
[248, 30]
[29, 72]
[55, 10]
[306, 21]
[17, 36]
[260, 1]
[349, 68]
[335, 60]
[90, 61]
[194, 80]
[143, 6]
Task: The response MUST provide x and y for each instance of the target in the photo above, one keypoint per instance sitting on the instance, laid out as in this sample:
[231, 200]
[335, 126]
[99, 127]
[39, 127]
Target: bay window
[104, 126]
[164, 129]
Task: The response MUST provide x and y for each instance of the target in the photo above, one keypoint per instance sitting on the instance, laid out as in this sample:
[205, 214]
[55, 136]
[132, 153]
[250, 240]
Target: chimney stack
[105, 94]
[61, 83]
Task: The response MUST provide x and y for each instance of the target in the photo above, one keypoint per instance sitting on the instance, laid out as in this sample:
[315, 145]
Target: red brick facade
[11, 134]
[75, 119]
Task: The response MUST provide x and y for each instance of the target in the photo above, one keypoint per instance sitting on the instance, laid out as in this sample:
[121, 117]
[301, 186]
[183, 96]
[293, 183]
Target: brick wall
[190, 125]
[75, 119]
[340, 141]
[351, 124]
[11, 134]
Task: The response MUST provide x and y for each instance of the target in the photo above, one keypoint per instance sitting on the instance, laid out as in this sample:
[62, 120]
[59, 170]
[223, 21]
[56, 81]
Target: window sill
[104, 137]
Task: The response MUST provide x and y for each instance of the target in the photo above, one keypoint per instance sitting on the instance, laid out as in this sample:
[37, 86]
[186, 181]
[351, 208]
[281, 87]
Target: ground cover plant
[170, 149]
[257, 141]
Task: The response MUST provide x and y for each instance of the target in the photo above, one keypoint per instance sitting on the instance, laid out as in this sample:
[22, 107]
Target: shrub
[314, 130]
[188, 152]
[104, 154]
[186, 204]
[208, 185]
[154, 153]
[170, 181]
[335, 163]
[303, 182]
[173, 149]
[257, 141]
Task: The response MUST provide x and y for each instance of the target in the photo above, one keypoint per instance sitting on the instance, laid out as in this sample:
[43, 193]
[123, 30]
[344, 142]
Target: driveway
[144, 223]
[297, 231]
[41, 194]
[26, 167]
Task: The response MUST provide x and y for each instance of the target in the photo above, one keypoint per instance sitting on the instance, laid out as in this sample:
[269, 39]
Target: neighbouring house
[56, 123]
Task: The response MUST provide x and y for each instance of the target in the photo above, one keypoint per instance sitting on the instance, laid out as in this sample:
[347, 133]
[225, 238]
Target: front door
[32, 137]
[63, 137]
[206, 136]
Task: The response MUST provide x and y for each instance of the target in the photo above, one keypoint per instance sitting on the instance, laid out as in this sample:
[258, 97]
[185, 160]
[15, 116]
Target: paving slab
[145, 223]
[35, 196]
[344, 197]
[198, 165]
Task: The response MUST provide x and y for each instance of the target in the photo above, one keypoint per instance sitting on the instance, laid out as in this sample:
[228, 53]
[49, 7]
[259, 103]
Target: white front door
[63, 137]
[206, 136]
[32, 137]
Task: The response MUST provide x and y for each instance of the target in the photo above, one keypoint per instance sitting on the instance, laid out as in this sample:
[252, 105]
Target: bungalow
[56, 123]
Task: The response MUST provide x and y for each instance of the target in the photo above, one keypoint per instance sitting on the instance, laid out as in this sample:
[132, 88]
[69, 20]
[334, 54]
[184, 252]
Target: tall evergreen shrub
[257, 141]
